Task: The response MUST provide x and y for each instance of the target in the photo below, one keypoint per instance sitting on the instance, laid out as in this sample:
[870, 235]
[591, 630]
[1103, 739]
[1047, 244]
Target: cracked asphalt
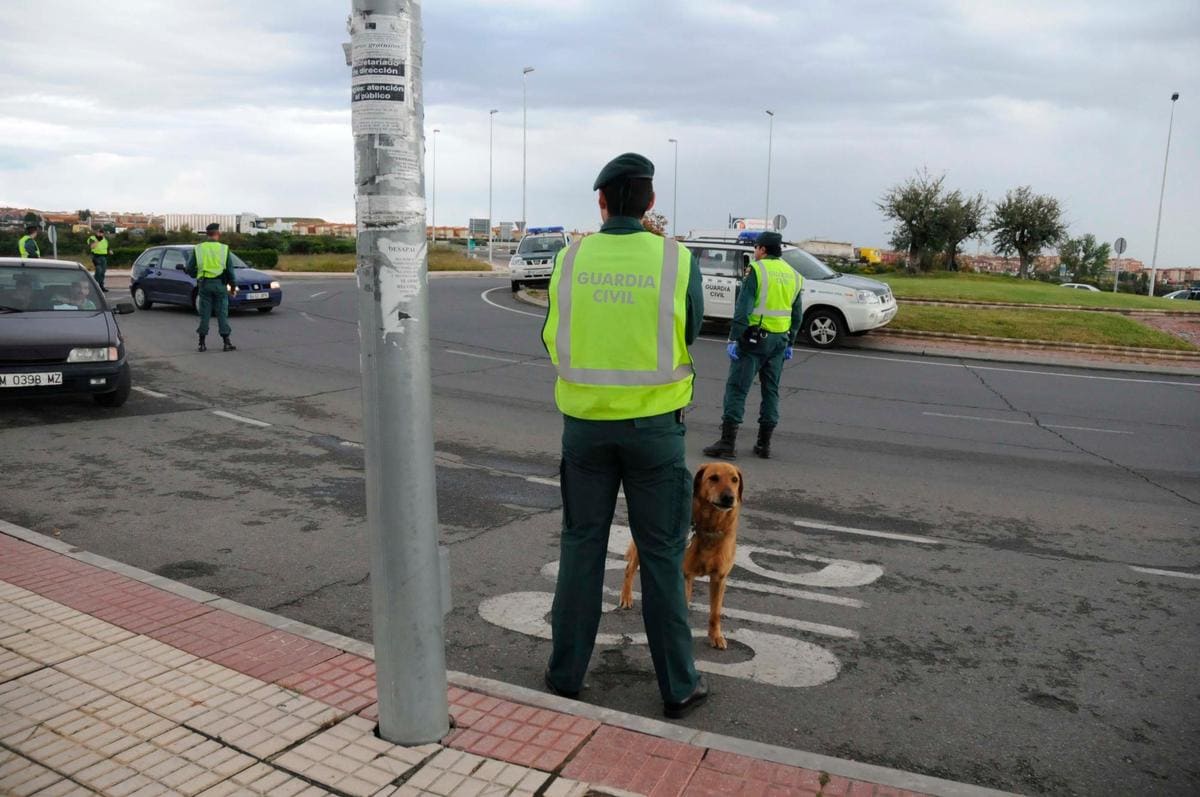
[944, 577]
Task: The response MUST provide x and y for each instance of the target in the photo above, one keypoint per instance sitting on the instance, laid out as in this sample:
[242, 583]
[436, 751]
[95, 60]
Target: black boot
[763, 446]
[202, 347]
[228, 344]
[724, 448]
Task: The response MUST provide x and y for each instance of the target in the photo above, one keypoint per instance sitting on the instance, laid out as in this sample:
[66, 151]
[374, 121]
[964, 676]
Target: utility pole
[770, 137]
[407, 578]
[524, 139]
[1161, 192]
[491, 138]
[675, 191]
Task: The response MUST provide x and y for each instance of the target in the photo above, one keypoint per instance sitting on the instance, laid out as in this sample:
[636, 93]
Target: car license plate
[45, 379]
[252, 296]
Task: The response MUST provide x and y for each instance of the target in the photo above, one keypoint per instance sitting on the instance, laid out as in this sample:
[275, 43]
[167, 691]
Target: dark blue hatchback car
[160, 277]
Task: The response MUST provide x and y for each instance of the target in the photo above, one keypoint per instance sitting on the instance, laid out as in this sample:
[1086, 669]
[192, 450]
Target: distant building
[818, 247]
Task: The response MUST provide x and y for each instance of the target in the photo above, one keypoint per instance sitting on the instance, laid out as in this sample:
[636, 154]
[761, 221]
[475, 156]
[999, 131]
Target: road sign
[780, 222]
[478, 228]
[52, 237]
[1119, 246]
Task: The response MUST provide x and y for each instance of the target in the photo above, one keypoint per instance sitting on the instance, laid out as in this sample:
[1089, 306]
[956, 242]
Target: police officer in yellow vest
[765, 323]
[27, 246]
[624, 306]
[212, 267]
[98, 246]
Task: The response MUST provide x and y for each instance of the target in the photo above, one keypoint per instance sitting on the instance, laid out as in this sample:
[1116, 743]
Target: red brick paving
[512, 732]
[636, 762]
[345, 681]
[211, 633]
[274, 655]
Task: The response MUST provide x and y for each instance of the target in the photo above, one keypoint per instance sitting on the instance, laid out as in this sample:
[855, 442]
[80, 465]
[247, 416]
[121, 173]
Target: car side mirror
[123, 308]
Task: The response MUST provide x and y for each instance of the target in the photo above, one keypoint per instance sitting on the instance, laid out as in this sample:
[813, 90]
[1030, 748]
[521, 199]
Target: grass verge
[440, 259]
[995, 288]
[1054, 326]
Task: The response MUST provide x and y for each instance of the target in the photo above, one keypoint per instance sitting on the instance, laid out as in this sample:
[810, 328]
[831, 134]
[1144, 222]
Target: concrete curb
[854, 770]
[1019, 305]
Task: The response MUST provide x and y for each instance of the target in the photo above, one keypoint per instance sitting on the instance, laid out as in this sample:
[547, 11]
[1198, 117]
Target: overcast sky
[225, 106]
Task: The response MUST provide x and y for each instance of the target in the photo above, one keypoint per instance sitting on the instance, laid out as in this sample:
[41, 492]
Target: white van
[835, 305]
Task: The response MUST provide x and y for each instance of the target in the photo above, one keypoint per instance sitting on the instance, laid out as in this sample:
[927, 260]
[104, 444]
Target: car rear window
[541, 243]
[30, 290]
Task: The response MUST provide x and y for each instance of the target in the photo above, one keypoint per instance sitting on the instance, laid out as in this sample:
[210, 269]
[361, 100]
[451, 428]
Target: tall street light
[491, 137]
[433, 210]
[524, 137]
[675, 191]
[770, 136]
[1161, 191]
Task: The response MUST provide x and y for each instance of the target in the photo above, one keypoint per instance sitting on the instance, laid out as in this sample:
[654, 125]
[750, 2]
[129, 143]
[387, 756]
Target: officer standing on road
[27, 247]
[212, 266]
[765, 324]
[624, 306]
[98, 245]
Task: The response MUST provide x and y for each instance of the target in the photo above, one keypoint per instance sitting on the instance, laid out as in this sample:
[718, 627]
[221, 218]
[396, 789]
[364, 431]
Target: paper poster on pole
[379, 92]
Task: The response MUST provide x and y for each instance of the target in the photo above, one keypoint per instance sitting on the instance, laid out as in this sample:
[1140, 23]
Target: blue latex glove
[732, 350]
[787, 353]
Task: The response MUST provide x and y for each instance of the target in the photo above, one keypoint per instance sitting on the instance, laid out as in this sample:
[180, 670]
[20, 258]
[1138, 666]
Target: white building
[196, 222]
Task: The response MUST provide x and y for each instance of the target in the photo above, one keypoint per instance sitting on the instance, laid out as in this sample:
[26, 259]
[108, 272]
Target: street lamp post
[675, 192]
[524, 137]
[770, 137]
[491, 137]
[433, 208]
[1161, 191]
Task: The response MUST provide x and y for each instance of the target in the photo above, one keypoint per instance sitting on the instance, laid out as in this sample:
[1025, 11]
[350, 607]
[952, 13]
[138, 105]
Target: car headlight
[516, 261]
[866, 297]
[96, 355]
[275, 285]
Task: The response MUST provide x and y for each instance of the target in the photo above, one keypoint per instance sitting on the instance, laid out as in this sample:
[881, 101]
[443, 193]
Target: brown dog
[716, 500]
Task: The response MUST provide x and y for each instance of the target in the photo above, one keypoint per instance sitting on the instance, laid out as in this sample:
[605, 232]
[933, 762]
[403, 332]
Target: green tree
[32, 218]
[957, 219]
[913, 205]
[1025, 223]
[1085, 259]
[84, 214]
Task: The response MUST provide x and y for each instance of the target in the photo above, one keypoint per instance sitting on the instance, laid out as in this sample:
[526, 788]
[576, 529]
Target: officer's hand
[732, 350]
[787, 353]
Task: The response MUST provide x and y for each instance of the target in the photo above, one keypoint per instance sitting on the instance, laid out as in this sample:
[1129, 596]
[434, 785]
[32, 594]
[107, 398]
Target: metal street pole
[770, 137]
[407, 579]
[433, 209]
[491, 137]
[675, 191]
[1161, 192]
[524, 138]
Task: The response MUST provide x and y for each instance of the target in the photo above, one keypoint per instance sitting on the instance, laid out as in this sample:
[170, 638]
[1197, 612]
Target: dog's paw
[717, 640]
[625, 603]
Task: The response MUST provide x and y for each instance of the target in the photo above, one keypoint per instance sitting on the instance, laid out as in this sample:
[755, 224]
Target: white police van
[835, 304]
[534, 259]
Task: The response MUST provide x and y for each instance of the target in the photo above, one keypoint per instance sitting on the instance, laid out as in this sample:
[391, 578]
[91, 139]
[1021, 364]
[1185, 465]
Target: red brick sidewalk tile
[346, 682]
[531, 737]
[635, 762]
[210, 633]
[274, 655]
[723, 773]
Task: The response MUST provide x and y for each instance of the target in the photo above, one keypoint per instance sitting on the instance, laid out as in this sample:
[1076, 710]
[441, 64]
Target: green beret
[624, 166]
[769, 239]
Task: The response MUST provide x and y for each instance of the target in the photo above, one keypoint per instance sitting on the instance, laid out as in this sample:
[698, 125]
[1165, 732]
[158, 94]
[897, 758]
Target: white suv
[834, 304]
[534, 259]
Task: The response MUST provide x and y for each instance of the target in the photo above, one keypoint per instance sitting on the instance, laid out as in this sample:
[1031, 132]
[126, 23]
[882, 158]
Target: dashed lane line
[1022, 423]
[886, 535]
[481, 356]
[147, 391]
[1154, 571]
[240, 418]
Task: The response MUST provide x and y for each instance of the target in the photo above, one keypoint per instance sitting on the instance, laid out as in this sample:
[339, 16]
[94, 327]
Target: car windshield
[809, 267]
[27, 290]
[541, 243]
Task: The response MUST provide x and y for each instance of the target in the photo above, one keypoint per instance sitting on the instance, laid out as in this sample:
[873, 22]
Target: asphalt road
[939, 572]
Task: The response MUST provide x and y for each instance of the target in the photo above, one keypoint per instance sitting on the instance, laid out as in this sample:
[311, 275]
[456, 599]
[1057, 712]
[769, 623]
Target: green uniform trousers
[100, 264]
[211, 295]
[646, 456]
[767, 363]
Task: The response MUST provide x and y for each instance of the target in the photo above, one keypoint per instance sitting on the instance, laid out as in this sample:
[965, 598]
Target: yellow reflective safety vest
[210, 259]
[778, 286]
[99, 246]
[615, 327]
[37, 252]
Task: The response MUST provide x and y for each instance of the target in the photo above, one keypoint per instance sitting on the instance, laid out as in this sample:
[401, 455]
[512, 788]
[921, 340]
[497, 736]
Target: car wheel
[516, 285]
[140, 299]
[265, 309]
[117, 397]
[824, 328]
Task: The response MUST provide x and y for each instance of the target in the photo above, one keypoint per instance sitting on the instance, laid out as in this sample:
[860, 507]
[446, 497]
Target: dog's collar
[699, 532]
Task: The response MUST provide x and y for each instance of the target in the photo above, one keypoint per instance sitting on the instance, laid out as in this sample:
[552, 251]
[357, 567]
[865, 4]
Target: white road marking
[149, 392]
[765, 619]
[239, 418]
[537, 364]
[1023, 423]
[777, 660]
[351, 444]
[480, 356]
[837, 573]
[542, 480]
[306, 316]
[886, 535]
[318, 293]
[484, 296]
[1154, 571]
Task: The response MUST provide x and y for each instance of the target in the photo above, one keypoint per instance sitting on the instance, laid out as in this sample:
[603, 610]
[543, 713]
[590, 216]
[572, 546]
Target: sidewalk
[118, 682]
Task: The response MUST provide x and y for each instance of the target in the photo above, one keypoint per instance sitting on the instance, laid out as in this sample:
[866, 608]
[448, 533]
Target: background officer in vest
[765, 324]
[624, 306]
[27, 247]
[98, 246]
[212, 267]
